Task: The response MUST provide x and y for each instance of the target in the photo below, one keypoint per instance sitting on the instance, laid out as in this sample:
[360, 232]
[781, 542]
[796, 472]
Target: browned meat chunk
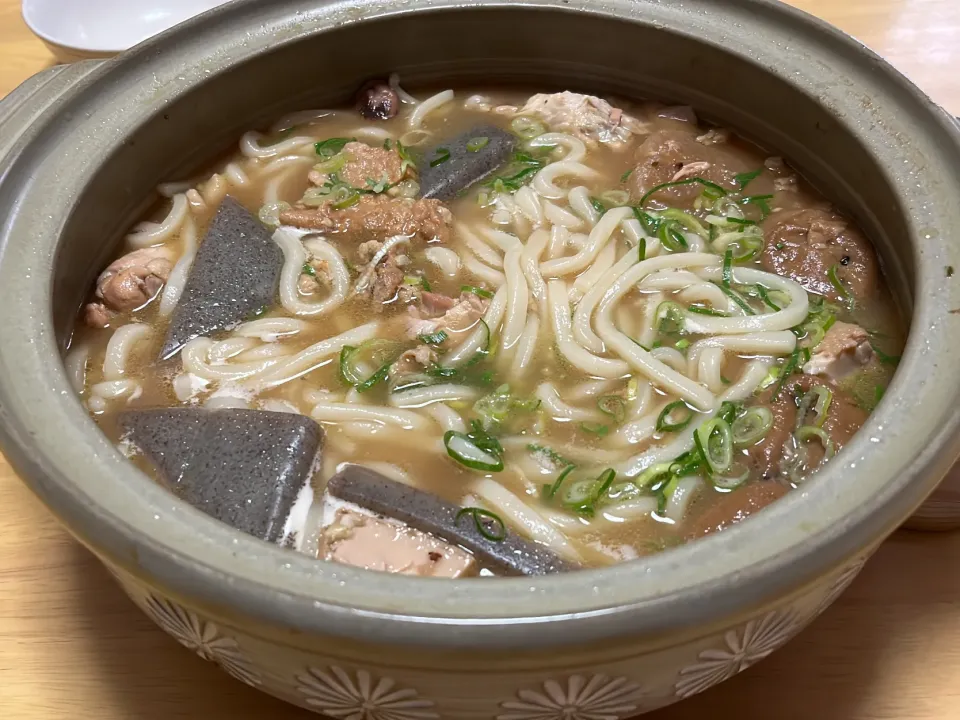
[805, 244]
[129, 283]
[589, 118]
[843, 420]
[671, 155]
[373, 543]
[462, 315]
[435, 304]
[844, 350]
[382, 280]
[377, 217]
[733, 507]
[377, 101]
[365, 167]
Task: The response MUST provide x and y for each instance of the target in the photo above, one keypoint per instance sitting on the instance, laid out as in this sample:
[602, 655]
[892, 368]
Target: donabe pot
[84, 149]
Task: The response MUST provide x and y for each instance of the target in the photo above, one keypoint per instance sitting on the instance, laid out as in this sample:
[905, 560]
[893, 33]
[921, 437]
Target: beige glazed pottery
[81, 151]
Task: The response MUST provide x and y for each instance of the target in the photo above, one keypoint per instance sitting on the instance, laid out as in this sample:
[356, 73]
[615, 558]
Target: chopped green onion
[343, 196]
[788, 370]
[685, 219]
[498, 534]
[626, 175]
[730, 482]
[477, 144]
[808, 432]
[527, 128]
[715, 443]
[479, 292]
[666, 422]
[743, 179]
[728, 411]
[437, 338]
[308, 269]
[417, 281]
[883, 357]
[818, 398]
[669, 317]
[598, 206]
[407, 160]
[711, 189]
[746, 246]
[642, 250]
[649, 478]
[550, 490]
[554, 457]
[595, 428]
[740, 302]
[751, 427]
[330, 147]
[582, 496]
[648, 221]
[728, 268]
[671, 238]
[760, 201]
[614, 406]
[765, 296]
[701, 310]
[475, 450]
[614, 198]
[682, 344]
[356, 361]
[442, 155]
[878, 392]
[838, 285]
[498, 407]
[332, 165]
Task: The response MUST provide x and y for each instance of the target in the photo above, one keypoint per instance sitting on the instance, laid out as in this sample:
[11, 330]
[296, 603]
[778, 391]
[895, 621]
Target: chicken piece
[374, 543]
[415, 360]
[806, 244]
[436, 304]
[462, 315]
[129, 283]
[587, 117]
[377, 217]
[844, 350]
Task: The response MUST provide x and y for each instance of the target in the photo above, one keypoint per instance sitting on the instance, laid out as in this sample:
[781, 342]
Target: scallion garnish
[883, 357]
[670, 237]
[751, 427]
[728, 267]
[437, 338]
[356, 362]
[808, 432]
[554, 457]
[477, 449]
[597, 429]
[614, 406]
[818, 399]
[682, 344]
[442, 155]
[669, 317]
[550, 490]
[527, 128]
[760, 201]
[788, 370]
[711, 189]
[479, 515]
[330, 147]
[838, 285]
[714, 440]
[479, 292]
[598, 206]
[308, 269]
[702, 310]
[740, 302]
[642, 250]
[477, 144]
[744, 179]
[667, 420]
[765, 296]
[500, 406]
[626, 175]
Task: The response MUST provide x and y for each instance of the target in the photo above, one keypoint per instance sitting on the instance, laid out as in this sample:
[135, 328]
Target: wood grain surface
[72, 646]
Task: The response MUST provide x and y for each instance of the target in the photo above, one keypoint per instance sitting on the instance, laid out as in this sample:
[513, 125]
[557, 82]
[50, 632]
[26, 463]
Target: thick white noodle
[530, 263]
[711, 294]
[526, 347]
[405, 97]
[648, 333]
[250, 145]
[790, 316]
[636, 431]
[426, 107]
[268, 350]
[484, 272]
[561, 216]
[518, 297]
[278, 405]
[294, 258]
[76, 366]
[578, 453]
[671, 280]
[482, 250]
[301, 117]
[529, 204]
[578, 356]
[581, 317]
[679, 501]
[196, 359]
[310, 357]
[169, 189]
[599, 236]
[178, 276]
[149, 233]
[557, 408]
[119, 348]
[503, 240]
[222, 350]
[576, 150]
[591, 276]
[671, 357]
[781, 342]
[116, 389]
[710, 370]
[376, 135]
[559, 237]
[235, 175]
[579, 199]
[590, 388]
[346, 412]
[478, 336]
[421, 397]
[447, 418]
[445, 259]
[630, 509]
[285, 162]
[544, 182]
[270, 329]
[520, 515]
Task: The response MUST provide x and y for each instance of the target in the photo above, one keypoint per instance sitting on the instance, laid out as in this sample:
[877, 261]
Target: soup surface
[594, 329]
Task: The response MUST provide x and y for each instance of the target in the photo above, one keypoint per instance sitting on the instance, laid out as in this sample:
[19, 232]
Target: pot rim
[132, 522]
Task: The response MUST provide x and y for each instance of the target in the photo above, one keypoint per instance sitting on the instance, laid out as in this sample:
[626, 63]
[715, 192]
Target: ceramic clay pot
[82, 150]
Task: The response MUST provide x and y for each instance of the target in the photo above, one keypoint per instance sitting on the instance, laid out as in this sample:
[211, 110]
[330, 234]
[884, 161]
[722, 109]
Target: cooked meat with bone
[587, 117]
[377, 217]
[844, 350]
[129, 283]
[806, 244]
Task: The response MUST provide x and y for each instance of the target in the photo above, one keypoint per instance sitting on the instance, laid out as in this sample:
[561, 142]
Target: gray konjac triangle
[456, 164]
[248, 468]
[234, 276]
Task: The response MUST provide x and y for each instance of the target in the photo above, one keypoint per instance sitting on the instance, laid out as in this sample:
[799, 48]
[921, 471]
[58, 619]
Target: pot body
[609, 643]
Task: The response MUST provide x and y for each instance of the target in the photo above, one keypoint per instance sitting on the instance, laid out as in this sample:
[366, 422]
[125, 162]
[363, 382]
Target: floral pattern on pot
[743, 647]
[334, 692]
[579, 698]
[203, 637]
[843, 580]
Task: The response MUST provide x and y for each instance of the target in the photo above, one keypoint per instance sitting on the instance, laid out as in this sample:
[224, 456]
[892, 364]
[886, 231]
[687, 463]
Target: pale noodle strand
[551, 402]
[423, 396]
[530, 262]
[671, 280]
[559, 237]
[76, 366]
[270, 329]
[346, 412]
[169, 189]
[482, 250]
[405, 97]
[576, 150]
[149, 233]
[710, 368]
[269, 350]
[781, 342]
[544, 182]
[214, 190]
[114, 390]
[377, 135]
[648, 334]
[518, 297]
[478, 336]
[294, 258]
[119, 348]
[710, 293]
[285, 162]
[561, 217]
[526, 347]
[197, 360]
[250, 145]
[640, 429]
[428, 106]
[445, 259]
[504, 240]
[791, 316]
[590, 388]
[679, 501]
[224, 350]
[598, 268]
[235, 175]
[484, 272]
[301, 117]
[671, 357]
[574, 353]
[181, 271]
[529, 204]
[447, 418]
[599, 236]
[579, 199]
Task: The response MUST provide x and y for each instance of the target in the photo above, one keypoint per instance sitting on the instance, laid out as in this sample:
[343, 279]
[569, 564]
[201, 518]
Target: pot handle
[23, 107]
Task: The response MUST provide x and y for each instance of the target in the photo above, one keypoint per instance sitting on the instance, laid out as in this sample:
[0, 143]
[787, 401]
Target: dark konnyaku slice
[248, 468]
[234, 276]
[470, 157]
[427, 513]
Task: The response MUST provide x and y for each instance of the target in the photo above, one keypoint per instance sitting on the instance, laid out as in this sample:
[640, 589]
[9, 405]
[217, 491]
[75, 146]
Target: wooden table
[71, 646]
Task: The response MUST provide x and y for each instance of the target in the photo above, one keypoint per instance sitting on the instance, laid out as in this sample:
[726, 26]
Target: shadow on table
[825, 673]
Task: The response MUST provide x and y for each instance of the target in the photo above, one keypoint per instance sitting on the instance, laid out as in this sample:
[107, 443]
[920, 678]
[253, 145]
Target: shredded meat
[669, 155]
[843, 420]
[129, 283]
[844, 350]
[589, 118]
[385, 279]
[805, 244]
[435, 304]
[462, 315]
[414, 360]
[377, 217]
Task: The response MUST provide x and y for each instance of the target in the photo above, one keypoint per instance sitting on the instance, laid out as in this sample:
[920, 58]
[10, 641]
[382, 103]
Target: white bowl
[101, 28]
